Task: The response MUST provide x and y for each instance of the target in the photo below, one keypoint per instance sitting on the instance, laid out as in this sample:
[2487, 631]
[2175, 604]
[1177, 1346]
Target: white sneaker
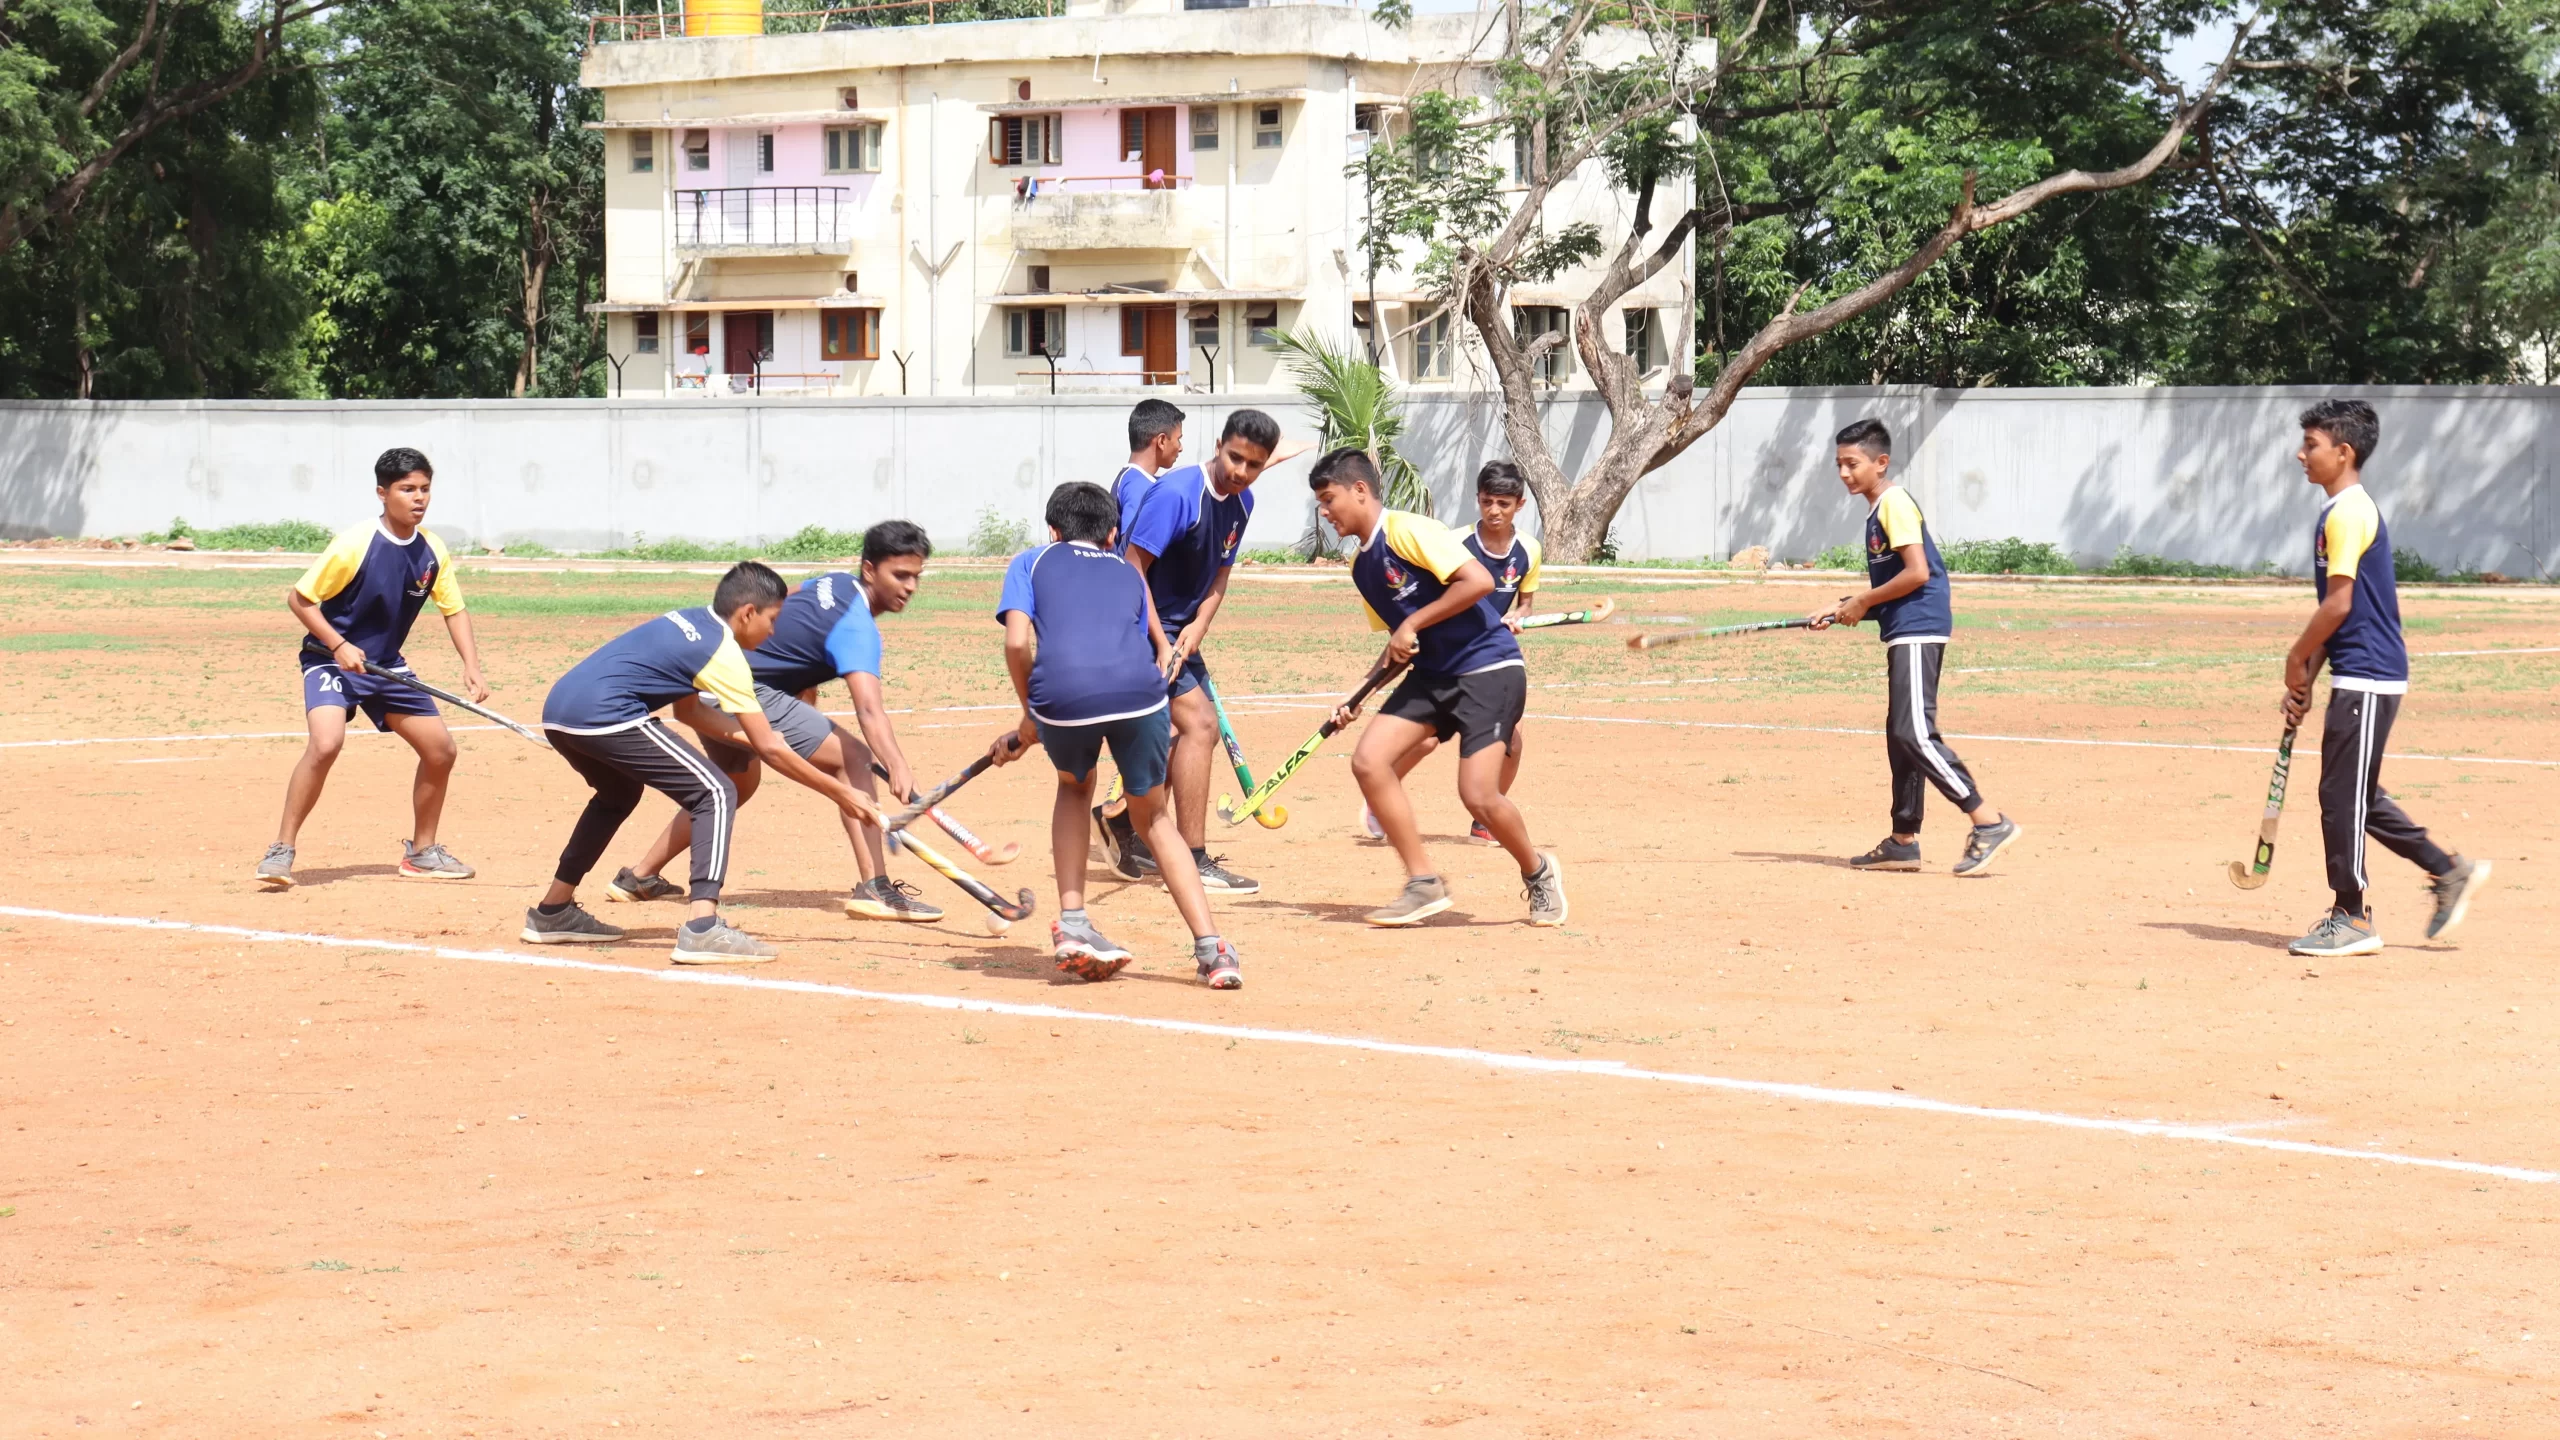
[1369, 822]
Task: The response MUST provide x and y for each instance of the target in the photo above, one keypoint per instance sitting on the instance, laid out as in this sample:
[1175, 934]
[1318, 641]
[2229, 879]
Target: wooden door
[1163, 347]
[1156, 150]
[744, 335]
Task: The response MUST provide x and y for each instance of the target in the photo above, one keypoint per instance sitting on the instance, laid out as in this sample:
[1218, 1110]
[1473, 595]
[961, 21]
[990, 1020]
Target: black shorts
[1481, 709]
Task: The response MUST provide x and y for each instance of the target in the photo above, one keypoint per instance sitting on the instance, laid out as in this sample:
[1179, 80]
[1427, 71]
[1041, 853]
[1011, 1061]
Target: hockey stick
[1592, 616]
[1269, 817]
[1262, 794]
[1676, 637]
[1001, 913]
[986, 854]
[2252, 873]
[450, 698]
[915, 809]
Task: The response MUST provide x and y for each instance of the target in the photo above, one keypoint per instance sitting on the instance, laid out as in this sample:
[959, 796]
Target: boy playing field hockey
[1090, 666]
[1155, 442]
[1913, 605]
[828, 630]
[1467, 679]
[1513, 560]
[2357, 628]
[600, 718]
[357, 601]
[1183, 542]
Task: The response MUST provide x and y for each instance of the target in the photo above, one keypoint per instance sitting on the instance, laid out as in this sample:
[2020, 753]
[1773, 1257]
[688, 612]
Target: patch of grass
[2129, 562]
[995, 534]
[816, 542]
[1840, 557]
[531, 550]
[297, 535]
[2011, 556]
[66, 640]
[2408, 567]
[330, 1265]
[1276, 557]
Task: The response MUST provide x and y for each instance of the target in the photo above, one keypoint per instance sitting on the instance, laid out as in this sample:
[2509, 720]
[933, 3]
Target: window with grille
[1204, 326]
[1431, 348]
[644, 334]
[1643, 346]
[853, 149]
[1266, 127]
[1262, 324]
[764, 152]
[644, 151]
[849, 334]
[697, 150]
[1023, 140]
[1040, 331]
[697, 333]
[1531, 321]
[1204, 127]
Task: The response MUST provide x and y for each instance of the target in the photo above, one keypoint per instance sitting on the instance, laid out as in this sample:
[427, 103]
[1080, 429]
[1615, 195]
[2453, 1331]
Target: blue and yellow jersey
[2366, 652]
[680, 653]
[1927, 613]
[1194, 533]
[1089, 608]
[1406, 564]
[1514, 571]
[371, 587]
[825, 630]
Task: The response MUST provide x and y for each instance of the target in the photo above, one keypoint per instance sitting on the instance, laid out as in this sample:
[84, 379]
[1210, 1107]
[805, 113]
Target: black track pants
[2352, 805]
[623, 764]
[1920, 758]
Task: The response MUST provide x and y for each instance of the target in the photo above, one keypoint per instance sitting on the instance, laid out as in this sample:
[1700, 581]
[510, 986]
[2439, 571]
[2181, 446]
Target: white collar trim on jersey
[385, 532]
[1508, 551]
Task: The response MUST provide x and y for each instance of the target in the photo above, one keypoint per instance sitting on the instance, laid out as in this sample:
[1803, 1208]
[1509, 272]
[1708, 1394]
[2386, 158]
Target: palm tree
[1356, 405]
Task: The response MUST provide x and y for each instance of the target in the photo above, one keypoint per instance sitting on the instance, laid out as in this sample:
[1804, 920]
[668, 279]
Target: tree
[458, 232]
[1599, 81]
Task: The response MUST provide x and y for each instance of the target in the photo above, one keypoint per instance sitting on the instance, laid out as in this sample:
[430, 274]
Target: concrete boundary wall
[2468, 476]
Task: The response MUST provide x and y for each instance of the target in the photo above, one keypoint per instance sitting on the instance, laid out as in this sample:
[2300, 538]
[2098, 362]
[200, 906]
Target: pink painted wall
[1089, 143]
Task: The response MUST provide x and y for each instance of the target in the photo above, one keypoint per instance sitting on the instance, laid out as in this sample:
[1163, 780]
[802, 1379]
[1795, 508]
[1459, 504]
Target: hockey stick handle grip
[916, 809]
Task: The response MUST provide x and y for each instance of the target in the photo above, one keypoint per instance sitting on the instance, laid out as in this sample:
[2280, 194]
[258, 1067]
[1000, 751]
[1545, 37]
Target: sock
[1204, 947]
[703, 925]
[1073, 917]
[1199, 855]
[2351, 901]
[560, 909]
[1995, 824]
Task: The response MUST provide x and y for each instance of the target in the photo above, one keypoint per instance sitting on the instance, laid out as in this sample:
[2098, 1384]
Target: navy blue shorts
[1193, 674]
[377, 697]
[1140, 745]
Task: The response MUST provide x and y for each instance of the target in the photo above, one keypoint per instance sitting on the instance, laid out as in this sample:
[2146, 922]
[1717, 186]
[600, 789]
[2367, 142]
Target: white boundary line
[1612, 1069]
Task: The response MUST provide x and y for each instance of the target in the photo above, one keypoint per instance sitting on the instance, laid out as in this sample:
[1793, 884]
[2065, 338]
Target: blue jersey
[1194, 535]
[1127, 492]
[1514, 571]
[1928, 613]
[1089, 608]
[370, 587]
[1406, 564]
[825, 630]
[2366, 652]
[677, 654]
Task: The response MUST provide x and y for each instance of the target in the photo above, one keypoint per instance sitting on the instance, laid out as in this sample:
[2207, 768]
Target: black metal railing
[776, 216]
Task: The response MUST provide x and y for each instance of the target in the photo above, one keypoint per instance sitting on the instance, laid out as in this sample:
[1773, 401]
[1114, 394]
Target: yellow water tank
[724, 17]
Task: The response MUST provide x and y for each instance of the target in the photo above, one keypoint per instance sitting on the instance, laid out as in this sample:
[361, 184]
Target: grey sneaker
[881, 898]
[276, 870]
[2340, 933]
[1085, 952]
[573, 926]
[1217, 879]
[1546, 891]
[433, 863]
[1223, 970]
[626, 886]
[1984, 842]
[2453, 892]
[1423, 897]
[722, 944]
[1889, 854]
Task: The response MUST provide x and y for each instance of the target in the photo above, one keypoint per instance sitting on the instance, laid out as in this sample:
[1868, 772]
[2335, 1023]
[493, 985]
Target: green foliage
[816, 542]
[296, 535]
[1356, 404]
[2130, 562]
[2408, 567]
[530, 550]
[995, 533]
[2012, 556]
[1840, 557]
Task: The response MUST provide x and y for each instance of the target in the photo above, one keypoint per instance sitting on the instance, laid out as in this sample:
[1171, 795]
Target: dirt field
[1474, 1179]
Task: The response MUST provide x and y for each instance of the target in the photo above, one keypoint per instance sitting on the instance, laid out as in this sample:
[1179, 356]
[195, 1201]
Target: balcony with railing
[1103, 212]
[766, 220]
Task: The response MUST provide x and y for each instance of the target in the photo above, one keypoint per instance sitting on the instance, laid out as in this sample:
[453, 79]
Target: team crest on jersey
[1228, 546]
[426, 581]
[1394, 573]
[1511, 574]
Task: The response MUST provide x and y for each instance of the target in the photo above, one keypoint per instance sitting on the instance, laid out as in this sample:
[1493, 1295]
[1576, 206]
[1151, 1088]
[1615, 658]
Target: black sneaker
[627, 886]
[881, 898]
[1136, 861]
[1110, 834]
[1216, 878]
[2453, 892]
[1889, 854]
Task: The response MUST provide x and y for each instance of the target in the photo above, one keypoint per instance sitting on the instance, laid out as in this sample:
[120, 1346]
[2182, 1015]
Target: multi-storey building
[1119, 194]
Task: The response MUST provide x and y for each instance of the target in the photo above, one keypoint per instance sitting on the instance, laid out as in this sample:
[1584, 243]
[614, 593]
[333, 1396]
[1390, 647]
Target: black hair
[1868, 435]
[1082, 510]
[1501, 477]
[1254, 427]
[1348, 465]
[2351, 423]
[749, 582]
[1150, 418]
[400, 460]
[892, 538]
